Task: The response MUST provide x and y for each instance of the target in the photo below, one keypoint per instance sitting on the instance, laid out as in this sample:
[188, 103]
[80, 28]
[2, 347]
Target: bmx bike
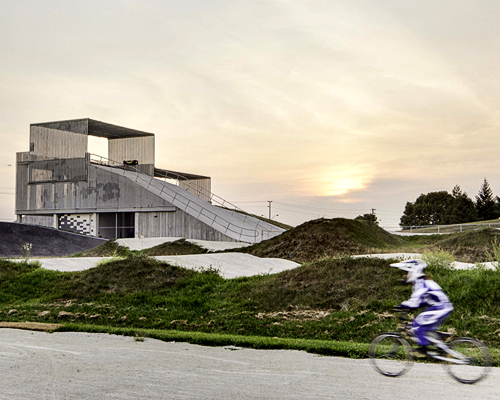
[466, 360]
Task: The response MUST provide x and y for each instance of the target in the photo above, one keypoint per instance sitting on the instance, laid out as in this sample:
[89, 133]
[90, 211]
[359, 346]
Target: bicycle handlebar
[403, 312]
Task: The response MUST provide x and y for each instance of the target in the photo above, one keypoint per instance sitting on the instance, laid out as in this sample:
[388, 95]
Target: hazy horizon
[324, 108]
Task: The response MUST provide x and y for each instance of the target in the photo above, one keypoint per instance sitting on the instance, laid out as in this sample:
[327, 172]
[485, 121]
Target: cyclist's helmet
[415, 269]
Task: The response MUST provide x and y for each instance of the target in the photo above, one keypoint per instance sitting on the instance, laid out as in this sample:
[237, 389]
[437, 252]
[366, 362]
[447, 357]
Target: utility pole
[269, 201]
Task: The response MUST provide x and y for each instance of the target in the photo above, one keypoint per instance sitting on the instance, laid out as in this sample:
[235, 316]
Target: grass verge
[322, 347]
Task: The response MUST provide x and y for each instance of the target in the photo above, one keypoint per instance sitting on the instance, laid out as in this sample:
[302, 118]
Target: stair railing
[150, 181]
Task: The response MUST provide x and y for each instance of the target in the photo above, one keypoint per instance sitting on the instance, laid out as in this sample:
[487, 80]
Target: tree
[409, 218]
[368, 217]
[486, 206]
[433, 208]
[464, 209]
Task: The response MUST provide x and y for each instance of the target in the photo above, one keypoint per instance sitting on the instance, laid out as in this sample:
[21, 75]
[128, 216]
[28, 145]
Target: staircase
[237, 226]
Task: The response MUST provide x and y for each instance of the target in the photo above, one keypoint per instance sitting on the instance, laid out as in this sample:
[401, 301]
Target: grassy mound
[322, 238]
[177, 248]
[134, 274]
[343, 284]
[107, 249]
[471, 246]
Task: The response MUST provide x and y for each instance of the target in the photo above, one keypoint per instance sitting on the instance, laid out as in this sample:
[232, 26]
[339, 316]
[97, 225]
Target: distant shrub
[439, 259]
[494, 254]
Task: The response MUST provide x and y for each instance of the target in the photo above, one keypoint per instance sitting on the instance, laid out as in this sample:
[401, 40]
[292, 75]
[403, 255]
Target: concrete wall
[199, 187]
[104, 191]
[40, 220]
[141, 149]
[62, 170]
[175, 224]
[46, 143]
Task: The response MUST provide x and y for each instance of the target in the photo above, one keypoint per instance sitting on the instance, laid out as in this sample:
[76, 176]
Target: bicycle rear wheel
[390, 354]
[476, 360]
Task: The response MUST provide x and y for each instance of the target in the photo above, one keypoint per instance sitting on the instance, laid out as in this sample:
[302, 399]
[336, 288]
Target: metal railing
[219, 201]
[195, 208]
[447, 228]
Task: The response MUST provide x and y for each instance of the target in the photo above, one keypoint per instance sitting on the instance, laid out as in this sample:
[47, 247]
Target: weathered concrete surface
[36, 365]
[231, 265]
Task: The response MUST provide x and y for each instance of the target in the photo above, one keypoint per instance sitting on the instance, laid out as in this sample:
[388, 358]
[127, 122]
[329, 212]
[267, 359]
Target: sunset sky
[326, 108]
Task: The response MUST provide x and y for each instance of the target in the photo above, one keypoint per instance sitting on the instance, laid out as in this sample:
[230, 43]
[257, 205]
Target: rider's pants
[428, 321]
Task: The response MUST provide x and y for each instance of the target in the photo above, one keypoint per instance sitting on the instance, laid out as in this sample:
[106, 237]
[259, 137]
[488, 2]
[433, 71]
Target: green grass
[455, 228]
[318, 239]
[323, 347]
[107, 249]
[346, 300]
[178, 247]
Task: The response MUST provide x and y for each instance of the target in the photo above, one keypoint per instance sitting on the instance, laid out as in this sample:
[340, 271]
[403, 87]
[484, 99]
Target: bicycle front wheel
[469, 360]
[390, 354]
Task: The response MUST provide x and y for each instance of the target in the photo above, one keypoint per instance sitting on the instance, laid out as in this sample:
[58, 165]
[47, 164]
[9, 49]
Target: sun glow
[341, 186]
[344, 181]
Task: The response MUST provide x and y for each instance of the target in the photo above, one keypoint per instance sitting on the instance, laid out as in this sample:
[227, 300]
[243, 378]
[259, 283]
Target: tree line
[441, 208]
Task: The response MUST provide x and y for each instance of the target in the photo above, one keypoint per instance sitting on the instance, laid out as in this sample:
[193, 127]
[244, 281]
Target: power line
[316, 213]
[319, 210]
[336, 210]
[298, 212]
[255, 201]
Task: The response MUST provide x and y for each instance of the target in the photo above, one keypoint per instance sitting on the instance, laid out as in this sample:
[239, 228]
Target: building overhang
[93, 127]
[164, 173]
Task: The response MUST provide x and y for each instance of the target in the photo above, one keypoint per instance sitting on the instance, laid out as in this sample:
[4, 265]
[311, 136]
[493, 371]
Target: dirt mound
[106, 249]
[317, 239]
[177, 248]
[137, 273]
[45, 242]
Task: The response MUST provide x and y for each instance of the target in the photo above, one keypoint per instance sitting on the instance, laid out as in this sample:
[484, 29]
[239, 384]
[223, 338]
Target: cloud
[351, 102]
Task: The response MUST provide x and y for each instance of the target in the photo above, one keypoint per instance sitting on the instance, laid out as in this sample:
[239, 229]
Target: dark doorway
[117, 225]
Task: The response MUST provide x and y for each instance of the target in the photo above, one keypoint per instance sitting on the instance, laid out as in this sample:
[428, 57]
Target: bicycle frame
[465, 359]
[405, 331]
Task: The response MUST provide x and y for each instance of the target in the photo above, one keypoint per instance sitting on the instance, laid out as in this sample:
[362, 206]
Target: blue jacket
[427, 293]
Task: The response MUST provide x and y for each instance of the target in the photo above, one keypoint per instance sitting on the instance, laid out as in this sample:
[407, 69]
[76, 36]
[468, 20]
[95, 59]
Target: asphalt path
[228, 265]
[38, 365]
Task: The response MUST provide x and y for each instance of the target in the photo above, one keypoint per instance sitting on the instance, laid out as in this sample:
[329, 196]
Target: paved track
[229, 265]
[36, 365]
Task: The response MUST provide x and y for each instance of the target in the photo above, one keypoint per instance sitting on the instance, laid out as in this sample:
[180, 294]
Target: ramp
[237, 226]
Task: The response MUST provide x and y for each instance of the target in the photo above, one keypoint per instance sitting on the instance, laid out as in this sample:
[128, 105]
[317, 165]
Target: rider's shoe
[420, 351]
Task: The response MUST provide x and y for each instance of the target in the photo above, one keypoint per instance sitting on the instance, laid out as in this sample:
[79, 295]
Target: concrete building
[61, 185]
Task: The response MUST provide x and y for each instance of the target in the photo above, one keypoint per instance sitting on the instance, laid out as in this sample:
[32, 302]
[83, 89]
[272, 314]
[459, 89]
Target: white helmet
[415, 269]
